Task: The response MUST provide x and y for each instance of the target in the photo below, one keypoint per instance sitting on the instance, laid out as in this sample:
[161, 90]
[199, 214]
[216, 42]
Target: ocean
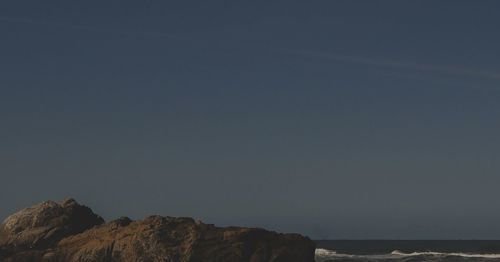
[407, 250]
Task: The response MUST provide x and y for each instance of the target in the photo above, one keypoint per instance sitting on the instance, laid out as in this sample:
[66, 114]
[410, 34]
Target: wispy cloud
[382, 62]
[84, 27]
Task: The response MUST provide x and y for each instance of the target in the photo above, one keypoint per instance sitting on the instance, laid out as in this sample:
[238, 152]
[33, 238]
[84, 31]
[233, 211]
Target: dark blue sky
[335, 119]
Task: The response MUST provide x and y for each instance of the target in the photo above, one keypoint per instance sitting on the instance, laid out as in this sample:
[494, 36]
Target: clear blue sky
[335, 119]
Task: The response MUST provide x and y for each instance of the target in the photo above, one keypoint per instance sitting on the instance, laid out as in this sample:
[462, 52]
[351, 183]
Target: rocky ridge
[68, 231]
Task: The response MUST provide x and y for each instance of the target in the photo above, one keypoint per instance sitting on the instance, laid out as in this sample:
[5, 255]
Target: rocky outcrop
[53, 232]
[44, 225]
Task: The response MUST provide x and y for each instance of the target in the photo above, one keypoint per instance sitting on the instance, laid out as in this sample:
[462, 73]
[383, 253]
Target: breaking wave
[326, 255]
[429, 253]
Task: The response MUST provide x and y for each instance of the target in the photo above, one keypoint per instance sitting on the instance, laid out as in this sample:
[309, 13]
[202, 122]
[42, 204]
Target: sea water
[407, 250]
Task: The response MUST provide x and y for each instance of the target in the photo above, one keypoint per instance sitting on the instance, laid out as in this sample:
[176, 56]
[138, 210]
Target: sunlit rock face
[45, 224]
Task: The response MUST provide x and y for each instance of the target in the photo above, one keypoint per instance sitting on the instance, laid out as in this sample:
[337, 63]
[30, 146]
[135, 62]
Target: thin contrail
[84, 27]
[399, 64]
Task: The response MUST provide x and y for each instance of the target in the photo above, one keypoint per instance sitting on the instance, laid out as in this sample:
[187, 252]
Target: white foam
[325, 254]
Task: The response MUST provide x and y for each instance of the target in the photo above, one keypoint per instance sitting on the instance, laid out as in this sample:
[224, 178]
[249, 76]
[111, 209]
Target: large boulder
[168, 239]
[44, 225]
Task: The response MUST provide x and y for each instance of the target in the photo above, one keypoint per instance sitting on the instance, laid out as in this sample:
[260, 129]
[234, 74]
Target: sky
[334, 119]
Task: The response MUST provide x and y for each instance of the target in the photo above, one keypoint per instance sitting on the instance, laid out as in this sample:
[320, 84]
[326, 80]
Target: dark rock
[159, 238]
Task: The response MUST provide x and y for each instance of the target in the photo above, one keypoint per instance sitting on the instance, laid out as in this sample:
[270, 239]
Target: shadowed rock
[153, 239]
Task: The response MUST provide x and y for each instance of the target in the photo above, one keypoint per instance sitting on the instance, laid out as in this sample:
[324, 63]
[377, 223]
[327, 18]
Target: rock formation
[67, 231]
